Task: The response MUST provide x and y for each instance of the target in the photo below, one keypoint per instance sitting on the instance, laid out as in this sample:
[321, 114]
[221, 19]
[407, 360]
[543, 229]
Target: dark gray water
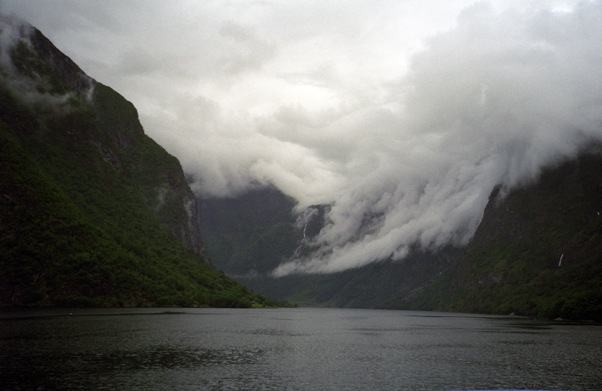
[292, 349]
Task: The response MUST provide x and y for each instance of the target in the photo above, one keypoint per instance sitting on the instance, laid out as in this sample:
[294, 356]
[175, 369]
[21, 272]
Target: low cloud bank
[345, 104]
[491, 102]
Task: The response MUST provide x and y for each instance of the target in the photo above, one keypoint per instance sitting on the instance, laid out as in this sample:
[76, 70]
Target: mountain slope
[536, 252]
[92, 211]
[510, 266]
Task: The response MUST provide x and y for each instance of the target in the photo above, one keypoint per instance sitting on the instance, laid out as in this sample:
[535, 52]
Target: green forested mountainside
[92, 211]
[536, 252]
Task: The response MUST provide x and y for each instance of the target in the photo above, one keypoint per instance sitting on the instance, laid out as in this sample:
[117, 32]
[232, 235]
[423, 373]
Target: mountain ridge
[92, 211]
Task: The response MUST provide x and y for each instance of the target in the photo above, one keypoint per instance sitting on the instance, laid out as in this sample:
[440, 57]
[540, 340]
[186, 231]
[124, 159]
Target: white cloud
[490, 102]
[403, 115]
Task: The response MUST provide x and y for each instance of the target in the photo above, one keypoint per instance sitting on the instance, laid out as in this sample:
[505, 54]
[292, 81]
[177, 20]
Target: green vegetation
[80, 219]
[513, 263]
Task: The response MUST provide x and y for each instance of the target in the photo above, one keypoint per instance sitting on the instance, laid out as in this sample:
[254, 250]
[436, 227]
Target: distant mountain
[249, 234]
[537, 252]
[92, 211]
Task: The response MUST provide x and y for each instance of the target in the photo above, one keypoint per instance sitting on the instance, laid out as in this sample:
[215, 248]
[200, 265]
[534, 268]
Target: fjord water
[292, 349]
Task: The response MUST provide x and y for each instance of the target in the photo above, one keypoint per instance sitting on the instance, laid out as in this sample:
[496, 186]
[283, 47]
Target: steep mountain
[92, 211]
[537, 252]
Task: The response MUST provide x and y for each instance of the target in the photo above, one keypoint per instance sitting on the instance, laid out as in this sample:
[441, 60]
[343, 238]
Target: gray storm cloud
[348, 104]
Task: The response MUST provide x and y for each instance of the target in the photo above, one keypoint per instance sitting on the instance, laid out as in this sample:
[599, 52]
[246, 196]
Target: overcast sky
[403, 114]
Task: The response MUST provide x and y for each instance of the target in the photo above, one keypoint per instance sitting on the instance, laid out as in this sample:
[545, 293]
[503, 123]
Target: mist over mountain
[92, 211]
[536, 252]
[489, 103]
[387, 128]
[401, 116]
